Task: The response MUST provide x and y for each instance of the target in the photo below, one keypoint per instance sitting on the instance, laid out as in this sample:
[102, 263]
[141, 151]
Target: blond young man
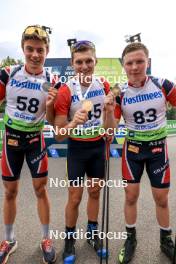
[26, 102]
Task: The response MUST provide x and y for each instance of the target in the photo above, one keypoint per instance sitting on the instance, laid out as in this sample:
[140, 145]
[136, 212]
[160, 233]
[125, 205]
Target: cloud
[59, 47]
[10, 49]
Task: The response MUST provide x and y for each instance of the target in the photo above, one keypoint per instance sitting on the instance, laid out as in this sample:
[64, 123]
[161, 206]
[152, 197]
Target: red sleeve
[118, 111]
[171, 97]
[63, 101]
[4, 77]
[169, 90]
[106, 86]
[2, 91]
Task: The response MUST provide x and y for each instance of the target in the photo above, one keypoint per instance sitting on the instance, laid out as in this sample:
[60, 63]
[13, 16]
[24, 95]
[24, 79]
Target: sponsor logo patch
[156, 150]
[12, 142]
[33, 140]
[134, 149]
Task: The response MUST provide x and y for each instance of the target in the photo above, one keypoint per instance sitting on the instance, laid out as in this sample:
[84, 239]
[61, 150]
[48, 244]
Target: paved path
[27, 226]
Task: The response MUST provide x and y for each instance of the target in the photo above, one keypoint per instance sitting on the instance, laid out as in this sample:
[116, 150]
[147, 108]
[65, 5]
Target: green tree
[10, 61]
[171, 114]
[19, 62]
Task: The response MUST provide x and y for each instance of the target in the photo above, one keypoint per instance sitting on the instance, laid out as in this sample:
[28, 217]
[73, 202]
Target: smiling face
[35, 52]
[135, 64]
[84, 64]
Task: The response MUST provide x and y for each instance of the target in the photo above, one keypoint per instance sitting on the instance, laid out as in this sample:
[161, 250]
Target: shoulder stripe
[168, 86]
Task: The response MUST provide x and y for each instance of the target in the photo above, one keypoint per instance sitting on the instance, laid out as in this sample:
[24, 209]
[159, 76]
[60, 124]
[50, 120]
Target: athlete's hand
[52, 94]
[80, 117]
[109, 102]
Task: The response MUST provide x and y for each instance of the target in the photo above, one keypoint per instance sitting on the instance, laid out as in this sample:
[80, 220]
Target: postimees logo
[142, 98]
[25, 84]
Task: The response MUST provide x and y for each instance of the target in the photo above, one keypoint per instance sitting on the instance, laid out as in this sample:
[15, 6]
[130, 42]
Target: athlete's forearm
[50, 114]
[109, 120]
[63, 132]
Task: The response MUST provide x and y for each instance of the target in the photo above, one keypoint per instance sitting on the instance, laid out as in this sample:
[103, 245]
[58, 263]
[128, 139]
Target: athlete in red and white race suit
[86, 147]
[143, 104]
[26, 103]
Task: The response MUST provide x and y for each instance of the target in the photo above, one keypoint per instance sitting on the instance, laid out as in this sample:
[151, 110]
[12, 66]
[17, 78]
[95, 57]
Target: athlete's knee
[40, 187]
[161, 197]
[162, 202]
[11, 189]
[40, 191]
[11, 194]
[131, 199]
[131, 195]
[74, 196]
[74, 201]
[94, 192]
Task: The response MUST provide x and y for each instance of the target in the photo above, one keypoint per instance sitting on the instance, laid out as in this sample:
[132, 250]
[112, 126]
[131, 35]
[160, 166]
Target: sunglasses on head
[82, 43]
[41, 31]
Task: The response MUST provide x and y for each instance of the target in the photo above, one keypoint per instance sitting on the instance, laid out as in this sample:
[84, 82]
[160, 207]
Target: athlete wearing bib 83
[143, 106]
[26, 103]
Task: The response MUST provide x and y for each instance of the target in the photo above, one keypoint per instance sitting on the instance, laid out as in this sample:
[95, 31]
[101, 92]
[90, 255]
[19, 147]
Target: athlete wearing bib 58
[84, 105]
[143, 106]
[26, 103]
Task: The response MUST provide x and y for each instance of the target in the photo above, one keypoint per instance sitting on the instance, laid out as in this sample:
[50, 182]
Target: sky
[106, 23]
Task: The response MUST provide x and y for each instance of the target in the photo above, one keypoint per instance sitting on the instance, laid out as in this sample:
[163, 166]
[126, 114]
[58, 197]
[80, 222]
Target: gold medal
[87, 105]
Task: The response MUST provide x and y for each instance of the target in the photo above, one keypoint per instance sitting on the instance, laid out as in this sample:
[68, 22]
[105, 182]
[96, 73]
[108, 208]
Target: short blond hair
[35, 36]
